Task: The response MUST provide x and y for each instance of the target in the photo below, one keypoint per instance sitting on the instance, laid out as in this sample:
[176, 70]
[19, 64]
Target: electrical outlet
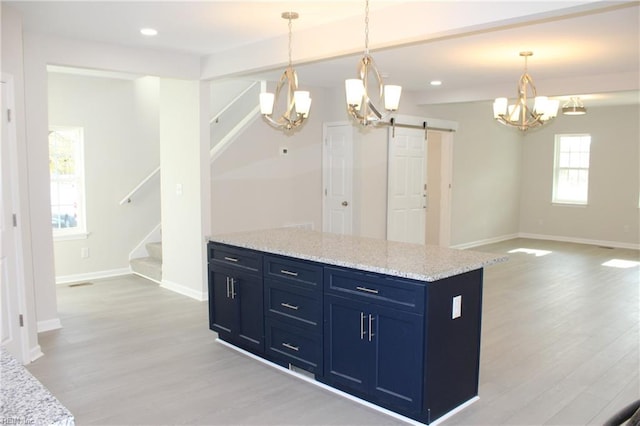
[84, 252]
[456, 307]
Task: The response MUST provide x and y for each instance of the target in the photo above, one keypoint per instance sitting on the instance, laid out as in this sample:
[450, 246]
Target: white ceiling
[590, 52]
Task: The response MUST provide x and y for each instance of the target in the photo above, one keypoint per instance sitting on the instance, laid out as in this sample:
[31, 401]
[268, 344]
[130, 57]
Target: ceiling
[592, 52]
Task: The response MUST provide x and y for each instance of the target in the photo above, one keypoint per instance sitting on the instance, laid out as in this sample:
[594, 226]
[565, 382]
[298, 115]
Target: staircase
[149, 267]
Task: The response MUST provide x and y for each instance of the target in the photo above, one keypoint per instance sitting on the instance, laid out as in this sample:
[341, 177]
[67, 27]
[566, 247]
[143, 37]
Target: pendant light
[298, 101]
[360, 106]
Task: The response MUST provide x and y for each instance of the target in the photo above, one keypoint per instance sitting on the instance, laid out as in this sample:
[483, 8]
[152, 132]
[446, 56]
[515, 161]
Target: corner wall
[612, 216]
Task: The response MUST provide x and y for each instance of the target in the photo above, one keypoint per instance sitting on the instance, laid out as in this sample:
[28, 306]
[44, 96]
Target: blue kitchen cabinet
[293, 312]
[373, 349]
[236, 297]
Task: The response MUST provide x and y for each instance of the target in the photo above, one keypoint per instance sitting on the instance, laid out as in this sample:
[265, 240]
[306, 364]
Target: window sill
[69, 237]
[559, 204]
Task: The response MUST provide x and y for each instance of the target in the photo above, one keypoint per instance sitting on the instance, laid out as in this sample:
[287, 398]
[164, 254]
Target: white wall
[121, 147]
[181, 152]
[486, 174]
[254, 187]
[612, 215]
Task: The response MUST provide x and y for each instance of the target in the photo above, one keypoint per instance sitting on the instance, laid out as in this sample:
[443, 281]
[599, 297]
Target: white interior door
[337, 171]
[9, 296]
[407, 196]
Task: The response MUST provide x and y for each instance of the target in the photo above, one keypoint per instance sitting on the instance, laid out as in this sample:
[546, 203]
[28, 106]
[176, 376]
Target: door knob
[344, 203]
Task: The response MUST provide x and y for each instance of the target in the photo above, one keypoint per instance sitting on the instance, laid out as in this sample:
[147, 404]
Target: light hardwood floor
[560, 345]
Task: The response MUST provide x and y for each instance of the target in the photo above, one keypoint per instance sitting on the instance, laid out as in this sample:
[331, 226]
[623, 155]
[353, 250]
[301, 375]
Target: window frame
[79, 231]
[557, 170]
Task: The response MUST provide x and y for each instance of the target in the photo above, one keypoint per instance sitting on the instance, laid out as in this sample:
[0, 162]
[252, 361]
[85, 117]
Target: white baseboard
[75, 278]
[604, 243]
[485, 241]
[48, 325]
[616, 244]
[35, 353]
[185, 291]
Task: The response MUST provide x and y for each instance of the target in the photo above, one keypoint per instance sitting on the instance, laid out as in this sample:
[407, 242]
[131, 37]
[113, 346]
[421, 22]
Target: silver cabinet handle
[362, 332]
[284, 271]
[368, 290]
[233, 288]
[289, 346]
[231, 259]
[286, 305]
[228, 287]
[371, 334]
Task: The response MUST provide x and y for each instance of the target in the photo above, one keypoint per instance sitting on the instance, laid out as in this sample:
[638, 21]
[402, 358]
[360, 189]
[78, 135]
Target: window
[66, 167]
[571, 169]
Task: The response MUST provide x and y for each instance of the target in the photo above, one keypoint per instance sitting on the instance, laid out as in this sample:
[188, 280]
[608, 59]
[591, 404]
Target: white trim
[35, 353]
[18, 236]
[70, 237]
[185, 291]
[48, 325]
[344, 394]
[146, 277]
[154, 236]
[69, 279]
[605, 243]
[485, 241]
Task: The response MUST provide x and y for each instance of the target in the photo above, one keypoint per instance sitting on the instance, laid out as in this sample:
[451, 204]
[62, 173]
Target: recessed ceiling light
[148, 32]
[436, 83]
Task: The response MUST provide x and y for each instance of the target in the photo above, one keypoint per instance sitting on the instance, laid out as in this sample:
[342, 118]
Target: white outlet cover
[456, 307]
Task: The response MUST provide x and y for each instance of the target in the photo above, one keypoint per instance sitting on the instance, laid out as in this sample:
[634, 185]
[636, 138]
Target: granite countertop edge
[262, 241]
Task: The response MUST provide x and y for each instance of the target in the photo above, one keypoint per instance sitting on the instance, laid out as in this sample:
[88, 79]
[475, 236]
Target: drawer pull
[231, 259]
[286, 305]
[289, 346]
[284, 271]
[368, 290]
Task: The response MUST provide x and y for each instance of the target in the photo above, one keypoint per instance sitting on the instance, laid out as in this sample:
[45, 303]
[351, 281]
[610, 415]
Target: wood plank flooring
[560, 345]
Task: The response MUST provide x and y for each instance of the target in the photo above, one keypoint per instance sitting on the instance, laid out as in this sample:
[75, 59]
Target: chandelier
[521, 114]
[359, 103]
[574, 107]
[298, 101]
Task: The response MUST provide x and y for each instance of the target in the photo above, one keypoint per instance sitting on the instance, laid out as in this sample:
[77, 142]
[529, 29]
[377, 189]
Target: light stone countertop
[25, 401]
[424, 263]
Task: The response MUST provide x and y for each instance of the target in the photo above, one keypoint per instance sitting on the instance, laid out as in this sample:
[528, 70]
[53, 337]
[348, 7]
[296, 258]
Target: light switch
[456, 307]
[178, 189]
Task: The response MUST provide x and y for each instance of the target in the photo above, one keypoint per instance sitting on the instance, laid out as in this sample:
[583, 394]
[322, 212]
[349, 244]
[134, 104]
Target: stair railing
[127, 198]
[221, 145]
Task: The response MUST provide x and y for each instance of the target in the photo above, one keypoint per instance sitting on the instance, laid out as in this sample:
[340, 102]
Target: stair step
[148, 267]
[155, 250]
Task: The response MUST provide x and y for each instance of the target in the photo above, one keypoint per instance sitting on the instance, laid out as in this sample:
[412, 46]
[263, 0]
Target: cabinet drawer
[294, 345]
[236, 257]
[295, 306]
[296, 272]
[381, 289]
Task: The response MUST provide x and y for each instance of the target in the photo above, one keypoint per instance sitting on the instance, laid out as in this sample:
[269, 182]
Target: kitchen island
[394, 324]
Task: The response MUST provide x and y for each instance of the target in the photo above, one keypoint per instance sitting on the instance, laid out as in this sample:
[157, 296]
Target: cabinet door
[347, 356]
[398, 345]
[248, 294]
[222, 308]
